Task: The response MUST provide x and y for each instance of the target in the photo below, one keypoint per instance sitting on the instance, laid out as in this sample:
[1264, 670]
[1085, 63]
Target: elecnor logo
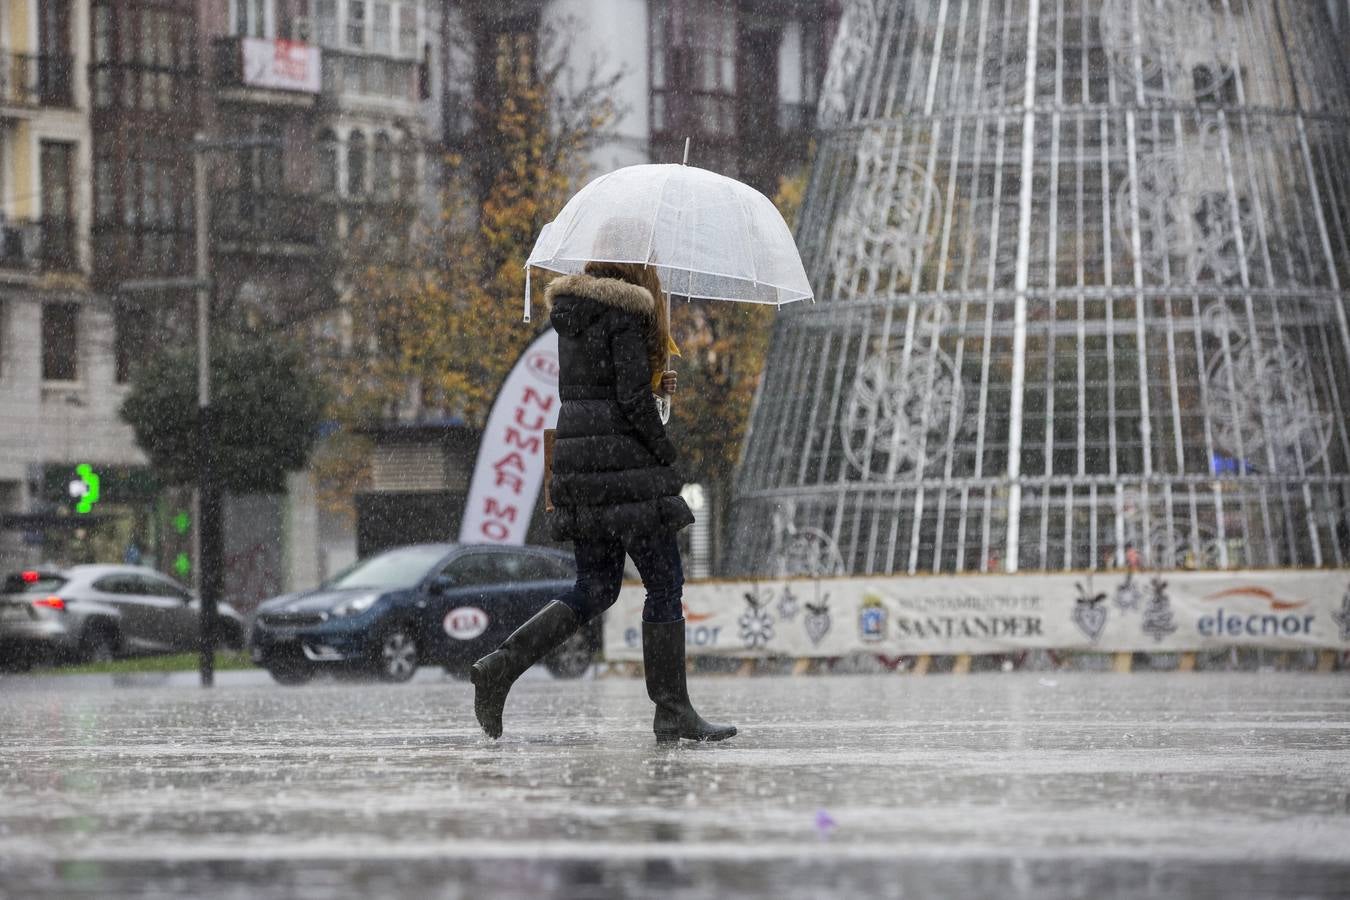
[465, 623]
[543, 366]
[1281, 620]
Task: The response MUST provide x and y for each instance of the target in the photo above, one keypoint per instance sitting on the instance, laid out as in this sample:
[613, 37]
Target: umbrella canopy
[710, 237]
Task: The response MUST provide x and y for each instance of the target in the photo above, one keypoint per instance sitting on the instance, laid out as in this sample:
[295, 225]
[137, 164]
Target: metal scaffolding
[1081, 268]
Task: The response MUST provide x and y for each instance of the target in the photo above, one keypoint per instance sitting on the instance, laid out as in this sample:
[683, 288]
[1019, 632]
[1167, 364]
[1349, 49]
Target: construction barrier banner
[509, 469]
[953, 614]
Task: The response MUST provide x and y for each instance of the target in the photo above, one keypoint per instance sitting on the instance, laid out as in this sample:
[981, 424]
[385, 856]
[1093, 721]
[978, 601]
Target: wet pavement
[1009, 785]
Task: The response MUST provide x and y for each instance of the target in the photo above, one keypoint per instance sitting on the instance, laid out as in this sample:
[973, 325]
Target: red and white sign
[510, 466]
[280, 65]
[466, 623]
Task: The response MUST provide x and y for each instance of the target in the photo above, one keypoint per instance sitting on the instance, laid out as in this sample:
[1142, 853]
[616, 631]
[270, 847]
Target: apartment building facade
[59, 392]
[738, 79]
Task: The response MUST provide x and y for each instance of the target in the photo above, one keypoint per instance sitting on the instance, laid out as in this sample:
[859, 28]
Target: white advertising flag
[510, 466]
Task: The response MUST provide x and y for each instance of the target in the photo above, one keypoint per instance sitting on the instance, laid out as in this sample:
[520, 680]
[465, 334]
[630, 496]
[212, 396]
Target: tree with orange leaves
[432, 323]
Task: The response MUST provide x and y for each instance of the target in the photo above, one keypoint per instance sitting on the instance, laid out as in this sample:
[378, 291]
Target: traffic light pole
[210, 533]
[209, 537]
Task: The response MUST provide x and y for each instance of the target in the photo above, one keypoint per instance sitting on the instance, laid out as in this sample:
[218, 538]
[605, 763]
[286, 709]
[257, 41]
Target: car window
[32, 582]
[536, 567]
[391, 571]
[158, 587]
[112, 584]
[135, 585]
[483, 568]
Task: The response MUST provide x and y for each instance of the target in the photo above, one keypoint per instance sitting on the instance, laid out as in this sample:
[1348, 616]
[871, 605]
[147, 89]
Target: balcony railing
[42, 245]
[28, 80]
[250, 217]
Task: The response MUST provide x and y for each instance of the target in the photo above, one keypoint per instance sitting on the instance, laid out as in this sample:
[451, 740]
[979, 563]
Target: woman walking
[614, 490]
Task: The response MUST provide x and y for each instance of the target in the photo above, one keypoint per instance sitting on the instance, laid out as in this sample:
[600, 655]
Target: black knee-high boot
[663, 659]
[494, 674]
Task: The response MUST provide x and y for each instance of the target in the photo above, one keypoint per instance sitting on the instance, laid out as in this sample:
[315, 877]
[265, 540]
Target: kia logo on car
[466, 623]
[543, 366]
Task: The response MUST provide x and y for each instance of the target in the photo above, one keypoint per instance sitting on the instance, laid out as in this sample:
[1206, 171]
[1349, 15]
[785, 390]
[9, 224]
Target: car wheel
[290, 673]
[99, 644]
[573, 657]
[396, 655]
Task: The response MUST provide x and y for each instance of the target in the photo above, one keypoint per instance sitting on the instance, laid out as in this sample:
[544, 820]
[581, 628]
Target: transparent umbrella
[710, 237]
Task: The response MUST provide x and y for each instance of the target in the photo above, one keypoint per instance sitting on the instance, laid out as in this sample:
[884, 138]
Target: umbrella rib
[754, 263]
[651, 233]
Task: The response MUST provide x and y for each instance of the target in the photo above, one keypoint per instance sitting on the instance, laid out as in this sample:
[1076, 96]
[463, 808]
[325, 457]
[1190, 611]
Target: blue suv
[426, 604]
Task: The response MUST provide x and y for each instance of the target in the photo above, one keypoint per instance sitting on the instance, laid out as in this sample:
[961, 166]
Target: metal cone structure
[1082, 269]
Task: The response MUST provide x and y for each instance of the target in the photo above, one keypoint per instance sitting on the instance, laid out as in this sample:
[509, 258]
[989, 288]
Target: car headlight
[355, 606]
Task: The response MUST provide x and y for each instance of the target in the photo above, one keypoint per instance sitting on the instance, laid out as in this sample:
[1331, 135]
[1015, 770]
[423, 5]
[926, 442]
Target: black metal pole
[208, 498]
[210, 561]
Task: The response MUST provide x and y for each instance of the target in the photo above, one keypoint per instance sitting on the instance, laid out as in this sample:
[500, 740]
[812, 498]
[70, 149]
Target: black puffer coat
[612, 473]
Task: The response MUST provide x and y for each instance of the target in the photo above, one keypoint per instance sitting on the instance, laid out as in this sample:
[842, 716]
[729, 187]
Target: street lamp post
[210, 533]
[210, 561]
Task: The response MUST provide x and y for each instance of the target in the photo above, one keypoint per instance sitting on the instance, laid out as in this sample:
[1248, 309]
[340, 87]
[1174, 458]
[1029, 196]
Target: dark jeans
[600, 575]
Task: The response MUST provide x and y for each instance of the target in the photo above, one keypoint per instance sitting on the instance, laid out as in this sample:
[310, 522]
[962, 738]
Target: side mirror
[440, 584]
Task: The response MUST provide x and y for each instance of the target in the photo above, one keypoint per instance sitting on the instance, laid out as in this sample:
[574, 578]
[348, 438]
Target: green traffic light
[91, 488]
[182, 565]
[182, 522]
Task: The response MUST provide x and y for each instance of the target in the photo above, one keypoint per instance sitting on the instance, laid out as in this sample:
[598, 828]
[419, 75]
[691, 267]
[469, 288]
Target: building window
[381, 27]
[143, 58]
[105, 194]
[514, 57]
[407, 166]
[356, 164]
[60, 341]
[326, 24]
[103, 90]
[356, 23]
[326, 167]
[382, 166]
[326, 180]
[250, 18]
[693, 72]
[407, 29]
[102, 18]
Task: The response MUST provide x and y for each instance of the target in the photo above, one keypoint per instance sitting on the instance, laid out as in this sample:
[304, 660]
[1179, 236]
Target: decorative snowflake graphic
[1128, 594]
[756, 623]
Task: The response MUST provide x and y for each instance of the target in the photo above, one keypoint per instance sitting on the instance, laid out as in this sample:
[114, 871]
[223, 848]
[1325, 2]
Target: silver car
[96, 612]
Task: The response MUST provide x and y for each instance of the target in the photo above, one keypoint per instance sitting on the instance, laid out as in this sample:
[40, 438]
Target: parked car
[94, 613]
[425, 604]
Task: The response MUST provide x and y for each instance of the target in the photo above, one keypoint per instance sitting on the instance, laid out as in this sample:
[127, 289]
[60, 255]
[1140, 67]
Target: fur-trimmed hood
[609, 291]
[614, 293]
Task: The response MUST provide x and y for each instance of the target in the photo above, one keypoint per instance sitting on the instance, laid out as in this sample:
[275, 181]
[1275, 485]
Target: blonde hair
[644, 276]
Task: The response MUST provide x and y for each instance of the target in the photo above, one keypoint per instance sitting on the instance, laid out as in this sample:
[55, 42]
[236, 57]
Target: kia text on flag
[510, 466]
